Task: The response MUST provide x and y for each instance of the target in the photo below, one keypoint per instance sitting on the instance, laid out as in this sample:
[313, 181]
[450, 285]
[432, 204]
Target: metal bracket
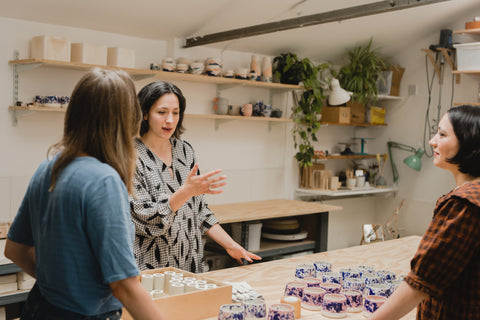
[19, 113]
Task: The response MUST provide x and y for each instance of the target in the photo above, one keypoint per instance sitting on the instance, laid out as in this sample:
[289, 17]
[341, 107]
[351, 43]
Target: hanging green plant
[307, 105]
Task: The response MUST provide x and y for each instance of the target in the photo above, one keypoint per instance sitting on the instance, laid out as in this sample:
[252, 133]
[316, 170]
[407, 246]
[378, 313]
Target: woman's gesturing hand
[207, 183]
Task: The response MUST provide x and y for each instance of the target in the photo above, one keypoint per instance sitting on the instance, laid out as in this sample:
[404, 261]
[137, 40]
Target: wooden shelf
[470, 103]
[474, 72]
[187, 115]
[145, 73]
[353, 124]
[353, 156]
[304, 194]
[468, 31]
[386, 97]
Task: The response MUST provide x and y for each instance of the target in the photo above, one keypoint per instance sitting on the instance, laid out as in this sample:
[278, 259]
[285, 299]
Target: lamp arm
[394, 168]
[401, 146]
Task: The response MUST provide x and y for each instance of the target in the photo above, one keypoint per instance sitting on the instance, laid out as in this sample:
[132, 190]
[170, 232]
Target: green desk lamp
[414, 161]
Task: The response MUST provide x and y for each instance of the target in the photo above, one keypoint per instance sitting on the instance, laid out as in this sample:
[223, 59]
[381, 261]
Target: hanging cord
[426, 128]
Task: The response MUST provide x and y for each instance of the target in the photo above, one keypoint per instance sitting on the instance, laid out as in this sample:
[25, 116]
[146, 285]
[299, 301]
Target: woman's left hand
[238, 253]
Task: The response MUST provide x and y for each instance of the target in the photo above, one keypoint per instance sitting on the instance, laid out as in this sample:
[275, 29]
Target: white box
[89, 53]
[121, 57]
[468, 56]
[50, 48]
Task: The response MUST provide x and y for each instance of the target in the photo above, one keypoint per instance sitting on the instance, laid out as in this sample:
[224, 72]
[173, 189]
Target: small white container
[121, 57]
[50, 48]
[89, 53]
[468, 56]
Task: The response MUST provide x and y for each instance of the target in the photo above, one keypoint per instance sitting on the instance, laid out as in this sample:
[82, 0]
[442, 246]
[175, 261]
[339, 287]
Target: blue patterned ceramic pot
[295, 288]
[322, 266]
[334, 306]
[305, 270]
[333, 277]
[378, 289]
[386, 275]
[231, 312]
[313, 298]
[372, 303]
[354, 284]
[349, 273]
[331, 287]
[255, 308]
[354, 300]
[281, 311]
[312, 282]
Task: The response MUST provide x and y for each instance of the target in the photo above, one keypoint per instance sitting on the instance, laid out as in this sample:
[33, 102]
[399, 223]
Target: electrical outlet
[412, 90]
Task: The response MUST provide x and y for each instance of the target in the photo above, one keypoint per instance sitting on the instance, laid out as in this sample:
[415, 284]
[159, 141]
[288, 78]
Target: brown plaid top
[446, 265]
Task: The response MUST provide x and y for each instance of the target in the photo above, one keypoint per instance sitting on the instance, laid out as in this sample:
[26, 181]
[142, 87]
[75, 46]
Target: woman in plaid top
[444, 281]
[169, 208]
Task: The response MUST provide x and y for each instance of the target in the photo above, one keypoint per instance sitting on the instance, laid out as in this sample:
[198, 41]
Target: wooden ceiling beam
[306, 21]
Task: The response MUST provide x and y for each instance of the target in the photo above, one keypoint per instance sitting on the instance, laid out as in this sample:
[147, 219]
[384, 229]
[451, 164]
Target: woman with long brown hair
[73, 231]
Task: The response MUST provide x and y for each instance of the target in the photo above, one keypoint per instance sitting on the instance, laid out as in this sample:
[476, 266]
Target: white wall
[258, 161]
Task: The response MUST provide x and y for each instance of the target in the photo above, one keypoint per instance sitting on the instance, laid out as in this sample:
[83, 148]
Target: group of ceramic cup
[172, 283]
[347, 290]
[52, 101]
[212, 67]
[254, 308]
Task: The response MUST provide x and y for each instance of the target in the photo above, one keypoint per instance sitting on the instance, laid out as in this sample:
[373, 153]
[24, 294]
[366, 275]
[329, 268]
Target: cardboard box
[376, 115]
[89, 53]
[121, 57]
[336, 114]
[357, 111]
[468, 56]
[195, 305]
[50, 48]
[396, 79]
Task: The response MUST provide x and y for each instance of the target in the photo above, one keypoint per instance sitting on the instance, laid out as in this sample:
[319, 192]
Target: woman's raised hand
[207, 183]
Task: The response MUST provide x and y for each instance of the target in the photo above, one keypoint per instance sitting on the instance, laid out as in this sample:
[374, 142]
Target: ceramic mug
[234, 110]
[220, 105]
[247, 109]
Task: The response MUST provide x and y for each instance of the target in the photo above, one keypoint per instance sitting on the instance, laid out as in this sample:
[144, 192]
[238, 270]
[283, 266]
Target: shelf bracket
[219, 121]
[446, 54]
[17, 68]
[19, 113]
[138, 77]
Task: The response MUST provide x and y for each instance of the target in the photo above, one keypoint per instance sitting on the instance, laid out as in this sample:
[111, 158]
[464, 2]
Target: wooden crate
[336, 114]
[195, 305]
[357, 111]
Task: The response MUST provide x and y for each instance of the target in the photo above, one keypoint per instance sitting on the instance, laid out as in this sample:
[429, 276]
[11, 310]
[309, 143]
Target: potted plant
[307, 104]
[360, 74]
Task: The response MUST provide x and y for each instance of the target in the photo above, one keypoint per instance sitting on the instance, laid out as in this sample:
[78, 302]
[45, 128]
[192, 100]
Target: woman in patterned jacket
[169, 209]
[444, 281]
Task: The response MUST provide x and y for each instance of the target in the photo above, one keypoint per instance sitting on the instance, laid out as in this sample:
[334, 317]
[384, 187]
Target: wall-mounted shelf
[314, 194]
[353, 124]
[473, 72]
[470, 103]
[138, 74]
[353, 156]
[468, 31]
[25, 110]
[387, 97]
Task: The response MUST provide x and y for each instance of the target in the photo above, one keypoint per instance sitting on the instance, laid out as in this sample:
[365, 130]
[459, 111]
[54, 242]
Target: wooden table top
[267, 209]
[269, 278]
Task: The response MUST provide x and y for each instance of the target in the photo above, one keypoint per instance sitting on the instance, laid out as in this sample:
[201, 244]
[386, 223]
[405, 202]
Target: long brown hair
[101, 120]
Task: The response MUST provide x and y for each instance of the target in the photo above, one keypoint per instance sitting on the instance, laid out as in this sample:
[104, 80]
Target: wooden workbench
[269, 278]
[279, 208]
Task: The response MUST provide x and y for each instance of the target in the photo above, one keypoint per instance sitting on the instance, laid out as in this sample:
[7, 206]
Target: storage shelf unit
[353, 156]
[468, 31]
[314, 194]
[138, 74]
[145, 73]
[354, 124]
[187, 115]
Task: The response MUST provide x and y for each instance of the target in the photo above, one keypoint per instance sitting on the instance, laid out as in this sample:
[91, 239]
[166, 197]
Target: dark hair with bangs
[154, 91]
[465, 121]
[102, 119]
